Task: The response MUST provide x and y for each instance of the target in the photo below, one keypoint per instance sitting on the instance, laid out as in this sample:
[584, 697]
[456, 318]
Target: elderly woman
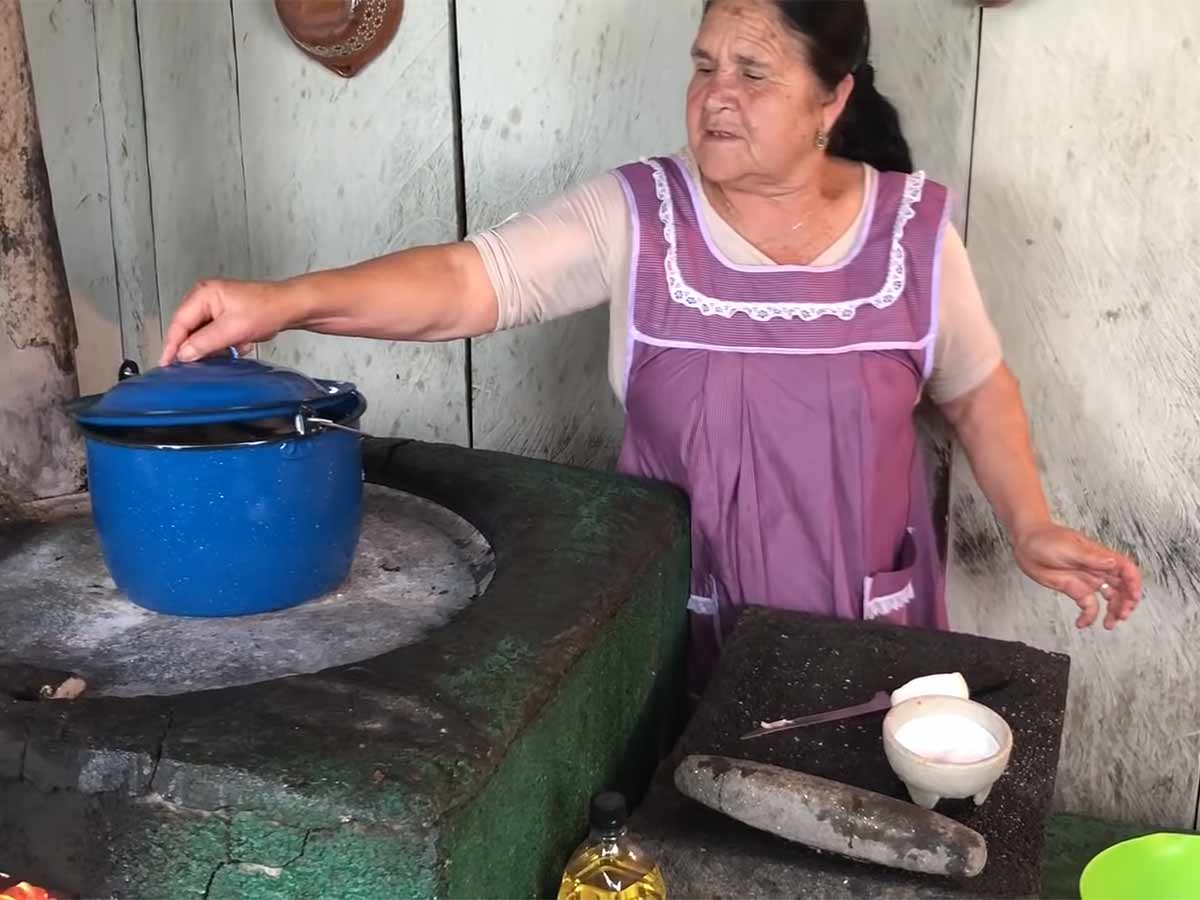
[782, 293]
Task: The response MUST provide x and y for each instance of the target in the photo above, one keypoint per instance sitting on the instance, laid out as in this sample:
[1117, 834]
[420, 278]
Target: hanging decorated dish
[342, 35]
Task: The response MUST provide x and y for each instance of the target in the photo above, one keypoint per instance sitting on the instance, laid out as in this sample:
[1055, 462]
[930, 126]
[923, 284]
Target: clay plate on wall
[342, 35]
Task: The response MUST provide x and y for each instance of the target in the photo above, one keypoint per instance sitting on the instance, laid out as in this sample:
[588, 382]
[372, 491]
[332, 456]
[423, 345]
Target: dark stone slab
[783, 665]
[460, 765]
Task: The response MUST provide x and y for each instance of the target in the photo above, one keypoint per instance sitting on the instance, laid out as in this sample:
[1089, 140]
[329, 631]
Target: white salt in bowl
[946, 747]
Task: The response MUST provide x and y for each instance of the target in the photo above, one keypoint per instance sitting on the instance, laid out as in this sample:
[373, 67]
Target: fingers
[1066, 561]
[218, 335]
[1131, 578]
[1089, 609]
[1121, 589]
[1123, 599]
[1112, 567]
[1087, 589]
[1115, 601]
[214, 316]
[196, 310]
[1081, 588]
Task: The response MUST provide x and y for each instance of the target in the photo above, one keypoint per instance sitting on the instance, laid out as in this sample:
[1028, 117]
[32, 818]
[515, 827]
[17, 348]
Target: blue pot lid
[218, 389]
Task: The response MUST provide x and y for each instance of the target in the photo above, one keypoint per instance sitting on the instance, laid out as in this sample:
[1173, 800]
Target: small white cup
[928, 780]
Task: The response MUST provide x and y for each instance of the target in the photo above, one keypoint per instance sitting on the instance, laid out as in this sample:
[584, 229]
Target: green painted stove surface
[457, 766]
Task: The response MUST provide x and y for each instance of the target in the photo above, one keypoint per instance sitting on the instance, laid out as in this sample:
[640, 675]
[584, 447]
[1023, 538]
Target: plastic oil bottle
[609, 865]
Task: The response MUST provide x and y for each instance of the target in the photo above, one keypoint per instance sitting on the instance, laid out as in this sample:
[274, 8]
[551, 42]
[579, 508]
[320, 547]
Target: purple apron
[780, 399]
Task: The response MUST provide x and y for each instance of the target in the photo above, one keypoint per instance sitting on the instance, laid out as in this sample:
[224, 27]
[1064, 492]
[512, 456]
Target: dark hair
[837, 35]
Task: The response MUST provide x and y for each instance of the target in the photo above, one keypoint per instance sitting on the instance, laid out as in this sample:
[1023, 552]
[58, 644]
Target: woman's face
[754, 107]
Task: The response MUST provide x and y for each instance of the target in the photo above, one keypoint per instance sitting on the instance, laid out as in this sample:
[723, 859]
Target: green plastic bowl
[1155, 867]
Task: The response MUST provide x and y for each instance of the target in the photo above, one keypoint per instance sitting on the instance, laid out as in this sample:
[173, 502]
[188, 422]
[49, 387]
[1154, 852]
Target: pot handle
[306, 419]
[128, 369]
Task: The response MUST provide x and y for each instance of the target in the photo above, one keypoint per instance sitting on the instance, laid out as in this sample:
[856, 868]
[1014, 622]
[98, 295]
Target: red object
[23, 890]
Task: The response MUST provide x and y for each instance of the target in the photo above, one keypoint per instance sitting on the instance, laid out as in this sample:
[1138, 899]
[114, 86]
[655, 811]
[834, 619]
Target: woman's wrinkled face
[754, 106]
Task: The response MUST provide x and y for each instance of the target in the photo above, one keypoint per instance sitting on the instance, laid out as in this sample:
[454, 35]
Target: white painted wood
[1085, 210]
[342, 170]
[553, 92]
[194, 144]
[926, 56]
[120, 73]
[61, 39]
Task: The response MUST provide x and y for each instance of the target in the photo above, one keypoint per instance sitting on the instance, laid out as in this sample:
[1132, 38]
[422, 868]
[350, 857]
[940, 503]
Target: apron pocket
[886, 595]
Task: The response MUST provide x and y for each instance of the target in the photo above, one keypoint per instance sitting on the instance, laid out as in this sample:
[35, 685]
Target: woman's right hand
[217, 314]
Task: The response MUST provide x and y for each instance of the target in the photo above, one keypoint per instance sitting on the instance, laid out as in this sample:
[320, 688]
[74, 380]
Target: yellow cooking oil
[609, 865]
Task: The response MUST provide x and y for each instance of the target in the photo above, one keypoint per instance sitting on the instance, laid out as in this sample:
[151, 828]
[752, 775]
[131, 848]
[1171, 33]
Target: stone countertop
[781, 665]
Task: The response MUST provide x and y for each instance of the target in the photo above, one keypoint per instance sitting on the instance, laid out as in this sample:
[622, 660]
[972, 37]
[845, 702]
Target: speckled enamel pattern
[228, 530]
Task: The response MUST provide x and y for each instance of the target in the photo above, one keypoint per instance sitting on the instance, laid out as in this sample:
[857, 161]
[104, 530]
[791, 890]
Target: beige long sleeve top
[573, 253]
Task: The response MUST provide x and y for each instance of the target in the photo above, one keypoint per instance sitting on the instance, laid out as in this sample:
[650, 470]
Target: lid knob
[128, 369]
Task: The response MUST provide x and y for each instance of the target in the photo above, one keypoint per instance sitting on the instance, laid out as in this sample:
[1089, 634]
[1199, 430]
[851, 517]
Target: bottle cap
[608, 811]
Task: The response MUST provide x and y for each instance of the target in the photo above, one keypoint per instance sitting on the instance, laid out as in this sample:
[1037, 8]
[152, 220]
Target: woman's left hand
[1065, 561]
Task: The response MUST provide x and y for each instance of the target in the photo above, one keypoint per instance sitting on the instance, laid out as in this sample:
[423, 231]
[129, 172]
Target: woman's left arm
[990, 423]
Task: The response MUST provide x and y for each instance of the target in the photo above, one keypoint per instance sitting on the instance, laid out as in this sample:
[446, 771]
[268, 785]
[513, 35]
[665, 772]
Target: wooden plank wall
[595, 85]
[61, 37]
[195, 145]
[119, 67]
[237, 156]
[87, 71]
[1084, 236]
[342, 170]
[926, 56]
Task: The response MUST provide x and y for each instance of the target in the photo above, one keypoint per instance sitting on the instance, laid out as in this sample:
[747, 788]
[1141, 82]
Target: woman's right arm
[549, 262]
[435, 293]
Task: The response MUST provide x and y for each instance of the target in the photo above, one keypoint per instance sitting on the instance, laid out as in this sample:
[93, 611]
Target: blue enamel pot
[224, 487]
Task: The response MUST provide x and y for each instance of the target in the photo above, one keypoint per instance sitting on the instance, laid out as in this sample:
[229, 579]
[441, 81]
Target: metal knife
[881, 701]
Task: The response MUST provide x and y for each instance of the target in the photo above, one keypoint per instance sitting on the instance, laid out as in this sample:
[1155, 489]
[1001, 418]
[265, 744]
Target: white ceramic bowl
[928, 780]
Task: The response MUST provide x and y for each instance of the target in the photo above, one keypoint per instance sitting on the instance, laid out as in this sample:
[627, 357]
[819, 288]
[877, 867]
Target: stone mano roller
[224, 487]
[834, 817]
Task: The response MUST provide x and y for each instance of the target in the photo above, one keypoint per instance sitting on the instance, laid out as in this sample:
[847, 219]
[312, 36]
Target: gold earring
[822, 139]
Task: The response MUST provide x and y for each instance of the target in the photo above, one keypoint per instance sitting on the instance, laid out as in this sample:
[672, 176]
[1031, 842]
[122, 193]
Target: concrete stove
[459, 764]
